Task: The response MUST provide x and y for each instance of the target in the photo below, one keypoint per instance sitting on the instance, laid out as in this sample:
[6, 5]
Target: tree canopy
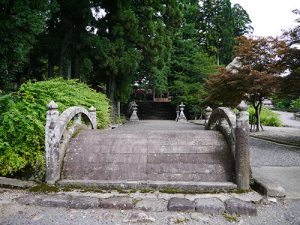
[113, 44]
[254, 77]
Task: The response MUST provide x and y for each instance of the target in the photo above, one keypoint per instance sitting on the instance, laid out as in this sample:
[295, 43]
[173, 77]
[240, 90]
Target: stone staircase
[156, 111]
[150, 154]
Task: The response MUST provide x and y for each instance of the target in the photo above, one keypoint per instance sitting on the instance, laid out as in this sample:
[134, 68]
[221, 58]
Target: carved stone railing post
[52, 148]
[182, 117]
[177, 114]
[92, 111]
[134, 117]
[242, 161]
[208, 112]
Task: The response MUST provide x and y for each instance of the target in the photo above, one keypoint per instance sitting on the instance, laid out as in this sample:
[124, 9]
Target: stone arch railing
[58, 131]
[235, 128]
[224, 120]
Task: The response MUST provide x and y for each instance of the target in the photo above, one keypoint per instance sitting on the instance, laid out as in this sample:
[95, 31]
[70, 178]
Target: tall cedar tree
[254, 79]
[219, 23]
[21, 22]
[189, 65]
[291, 83]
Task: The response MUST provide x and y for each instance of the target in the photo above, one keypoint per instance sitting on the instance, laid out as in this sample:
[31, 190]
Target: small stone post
[242, 161]
[134, 117]
[51, 144]
[92, 111]
[177, 115]
[208, 112]
[182, 117]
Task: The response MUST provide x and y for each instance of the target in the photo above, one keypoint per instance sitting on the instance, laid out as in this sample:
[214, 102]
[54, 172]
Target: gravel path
[288, 119]
[266, 153]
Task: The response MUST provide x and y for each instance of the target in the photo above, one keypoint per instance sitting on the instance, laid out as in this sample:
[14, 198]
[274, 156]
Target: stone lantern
[182, 117]
[134, 117]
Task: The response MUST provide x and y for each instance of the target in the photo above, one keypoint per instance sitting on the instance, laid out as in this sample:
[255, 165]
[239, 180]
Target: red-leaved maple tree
[254, 76]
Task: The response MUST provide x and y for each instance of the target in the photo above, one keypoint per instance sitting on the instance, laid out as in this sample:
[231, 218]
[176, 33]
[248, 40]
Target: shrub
[22, 121]
[295, 104]
[267, 117]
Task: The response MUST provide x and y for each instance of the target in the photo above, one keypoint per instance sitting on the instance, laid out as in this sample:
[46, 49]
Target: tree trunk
[75, 67]
[257, 104]
[111, 94]
[50, 68]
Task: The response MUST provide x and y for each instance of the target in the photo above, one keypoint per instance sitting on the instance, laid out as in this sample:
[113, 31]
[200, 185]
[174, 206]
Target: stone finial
[242, 106]
[52, 105]
[92, 109]
[208, 109]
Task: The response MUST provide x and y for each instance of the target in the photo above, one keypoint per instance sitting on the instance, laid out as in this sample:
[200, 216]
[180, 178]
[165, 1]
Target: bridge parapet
[58, 131]
[235, 128]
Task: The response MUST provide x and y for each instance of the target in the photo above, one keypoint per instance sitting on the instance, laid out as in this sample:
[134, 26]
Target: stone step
[165, 186]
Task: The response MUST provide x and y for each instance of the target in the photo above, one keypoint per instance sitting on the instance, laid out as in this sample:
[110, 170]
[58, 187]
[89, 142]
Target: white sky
[269, 17]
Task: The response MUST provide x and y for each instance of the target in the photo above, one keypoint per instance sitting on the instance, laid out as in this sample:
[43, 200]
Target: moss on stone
[44, 188]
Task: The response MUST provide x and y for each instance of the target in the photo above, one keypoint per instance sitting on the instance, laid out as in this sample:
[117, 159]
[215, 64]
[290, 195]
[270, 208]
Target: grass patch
[231, 217]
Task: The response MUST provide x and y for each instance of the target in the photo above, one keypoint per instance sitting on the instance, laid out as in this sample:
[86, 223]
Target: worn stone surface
[84, 202]
[117, 203]
[237, 206]
[149, 151]
[15, 183]
[181, 204]
[138, 217]
[156, 205]
[29, 199]
[56, 201]
[209, 205]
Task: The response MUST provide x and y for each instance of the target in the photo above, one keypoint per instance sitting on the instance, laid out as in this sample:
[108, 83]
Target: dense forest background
[164, 45]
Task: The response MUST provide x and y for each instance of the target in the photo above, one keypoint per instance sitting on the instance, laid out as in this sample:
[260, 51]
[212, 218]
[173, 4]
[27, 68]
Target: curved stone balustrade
[224, 120]
[235, 128]
[58, 131]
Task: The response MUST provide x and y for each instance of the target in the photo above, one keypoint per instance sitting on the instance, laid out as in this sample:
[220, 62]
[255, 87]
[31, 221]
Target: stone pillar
[93, 114]
[182, 117]
[242, 161]
[52, 144]
[177, 115]
[208, 112]
[134, 117]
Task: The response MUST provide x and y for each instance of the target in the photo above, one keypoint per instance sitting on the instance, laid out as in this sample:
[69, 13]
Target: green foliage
[295, 104]
[22, 121]
[281, 103]
[267, 117]
[21, 22]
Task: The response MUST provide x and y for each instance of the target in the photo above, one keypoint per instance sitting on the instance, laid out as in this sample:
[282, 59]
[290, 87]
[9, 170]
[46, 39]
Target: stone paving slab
[237, 206]
[209, 205]
[181, 204]
[279, 181]
[213, 204]
[15, 183]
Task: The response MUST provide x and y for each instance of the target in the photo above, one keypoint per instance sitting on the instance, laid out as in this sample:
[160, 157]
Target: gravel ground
[265, 153]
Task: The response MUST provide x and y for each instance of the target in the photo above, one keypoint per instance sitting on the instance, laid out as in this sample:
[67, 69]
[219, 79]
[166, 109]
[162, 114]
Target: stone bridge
[154, 154]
